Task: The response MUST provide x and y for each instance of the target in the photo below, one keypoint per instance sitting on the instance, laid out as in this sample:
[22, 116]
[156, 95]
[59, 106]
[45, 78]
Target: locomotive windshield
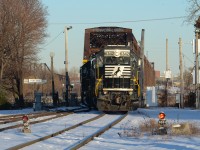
[116, 57]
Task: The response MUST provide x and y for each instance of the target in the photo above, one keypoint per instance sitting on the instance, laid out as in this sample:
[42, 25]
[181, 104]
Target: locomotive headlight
[130, 93]
[105, 92]
[139, 62]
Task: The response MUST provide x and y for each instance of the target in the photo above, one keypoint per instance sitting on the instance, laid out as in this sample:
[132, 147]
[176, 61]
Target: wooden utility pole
[197, 32]
[66, 66]
[142, 68]
[52, 79]
[167, 68]
[181, 74]
[196, 69]
[167, 65]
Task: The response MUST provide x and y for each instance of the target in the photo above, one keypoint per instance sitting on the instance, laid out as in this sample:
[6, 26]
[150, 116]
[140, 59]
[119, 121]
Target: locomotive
[110, 76]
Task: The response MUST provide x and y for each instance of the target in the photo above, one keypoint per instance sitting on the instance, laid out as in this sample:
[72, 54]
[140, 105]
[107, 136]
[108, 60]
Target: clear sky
[69, 12]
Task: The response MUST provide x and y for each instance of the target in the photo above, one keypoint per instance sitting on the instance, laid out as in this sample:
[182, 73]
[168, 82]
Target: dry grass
[186, 128]
[150, 127]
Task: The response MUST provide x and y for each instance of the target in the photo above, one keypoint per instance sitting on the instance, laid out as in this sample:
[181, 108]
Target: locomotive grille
[117, 71]
[117, 76]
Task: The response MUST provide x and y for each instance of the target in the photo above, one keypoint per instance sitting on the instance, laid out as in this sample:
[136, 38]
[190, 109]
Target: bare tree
[22, 28]
[193, 10]
[187, 76]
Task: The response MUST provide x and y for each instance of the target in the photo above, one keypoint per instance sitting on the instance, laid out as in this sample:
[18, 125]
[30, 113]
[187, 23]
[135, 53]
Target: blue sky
[68, 12]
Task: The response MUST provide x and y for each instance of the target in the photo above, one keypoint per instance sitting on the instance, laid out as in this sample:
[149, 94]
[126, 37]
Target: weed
[151, 127]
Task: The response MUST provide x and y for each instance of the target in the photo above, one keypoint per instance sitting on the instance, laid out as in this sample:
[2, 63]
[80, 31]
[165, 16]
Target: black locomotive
[110, 79]
[110, 73]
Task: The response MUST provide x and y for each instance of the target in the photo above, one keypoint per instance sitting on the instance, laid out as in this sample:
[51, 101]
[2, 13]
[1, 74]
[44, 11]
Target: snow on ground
[16, 137]
[71, 137]
[110, 140]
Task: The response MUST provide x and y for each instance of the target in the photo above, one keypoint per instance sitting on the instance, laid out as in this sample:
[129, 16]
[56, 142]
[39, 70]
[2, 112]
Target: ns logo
[117, 71]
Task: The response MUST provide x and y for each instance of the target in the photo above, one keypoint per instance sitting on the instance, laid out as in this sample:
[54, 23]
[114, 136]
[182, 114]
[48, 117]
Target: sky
[109, 140]
[94, 13]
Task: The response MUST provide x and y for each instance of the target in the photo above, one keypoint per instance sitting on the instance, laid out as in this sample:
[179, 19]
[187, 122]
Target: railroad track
[31, 116]
[18, 117]
[96, 134]
[111, 120]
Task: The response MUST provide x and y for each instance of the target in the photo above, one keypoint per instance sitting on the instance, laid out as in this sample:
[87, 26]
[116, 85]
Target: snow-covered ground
[110, 140]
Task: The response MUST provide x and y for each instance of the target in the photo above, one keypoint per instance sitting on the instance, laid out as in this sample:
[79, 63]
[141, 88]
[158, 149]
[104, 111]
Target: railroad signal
[25, 118]
[162, 122]
[26, 128]
[161, 115]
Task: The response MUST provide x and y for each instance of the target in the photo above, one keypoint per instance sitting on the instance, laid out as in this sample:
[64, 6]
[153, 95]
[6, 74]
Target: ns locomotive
[111, 70]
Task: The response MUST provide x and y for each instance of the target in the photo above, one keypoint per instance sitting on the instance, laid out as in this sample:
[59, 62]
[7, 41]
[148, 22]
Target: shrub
[3, 101]
[149, 125]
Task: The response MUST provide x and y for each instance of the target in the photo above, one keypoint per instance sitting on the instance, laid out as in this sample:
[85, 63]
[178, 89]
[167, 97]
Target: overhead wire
[188, 58]
[142, 20]
[53, 39]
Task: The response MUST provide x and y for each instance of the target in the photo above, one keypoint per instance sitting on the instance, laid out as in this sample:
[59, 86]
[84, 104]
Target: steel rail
[18, 115]
[11, 118]
[96, 134]
[34, 122]
[53, 134]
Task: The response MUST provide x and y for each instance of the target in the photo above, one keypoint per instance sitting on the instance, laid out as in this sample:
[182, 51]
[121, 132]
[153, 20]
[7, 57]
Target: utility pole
[52, 79]
[197, 31]
[181, 74]
[167, 68]
[196, 69]
[141, 79]
[66, 65]
[167, 65]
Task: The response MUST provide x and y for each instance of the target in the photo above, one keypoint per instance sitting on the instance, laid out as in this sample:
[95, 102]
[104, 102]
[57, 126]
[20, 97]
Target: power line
[53, 39]
[142, 20]
[188, 58]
